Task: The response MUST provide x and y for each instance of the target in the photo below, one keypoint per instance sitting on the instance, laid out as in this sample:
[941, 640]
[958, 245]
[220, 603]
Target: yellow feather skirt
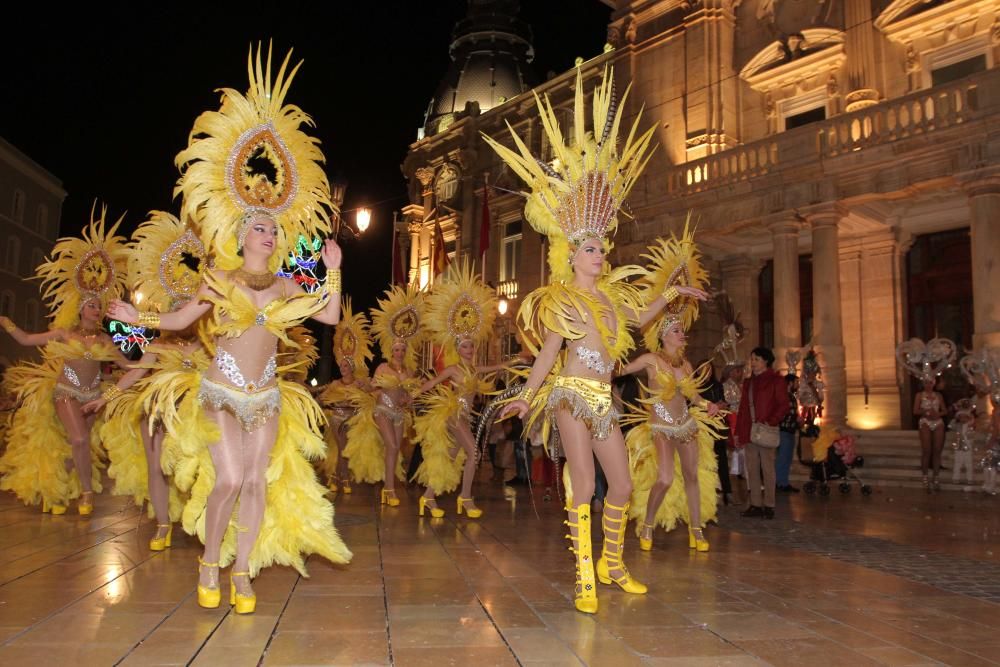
[365, 450]
[644, 463]
[34, 464]
[298, 518]
[439, 471]
[122, 437]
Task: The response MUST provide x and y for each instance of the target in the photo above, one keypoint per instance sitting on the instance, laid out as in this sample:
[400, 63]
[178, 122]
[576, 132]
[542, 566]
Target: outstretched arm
[176, 320]
[29, 339]
[644, 317]
[640, 363]
[539, 370]
[123, 384]
[446, 374]
[332, 257]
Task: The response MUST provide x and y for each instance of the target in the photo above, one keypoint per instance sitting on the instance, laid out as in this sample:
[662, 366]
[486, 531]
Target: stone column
[828, 333]
[739, 278]
[787, 310]
[984, 227]
[860, 45]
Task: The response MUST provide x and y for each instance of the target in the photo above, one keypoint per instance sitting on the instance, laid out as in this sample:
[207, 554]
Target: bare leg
[78, 432]
[926, 448]
[938, 446]
[664, 479]
[227, 459]
[463, 436]
[575, 438]
[256, 454]
[343, 473]
[392, 438]
[157, 482]
[688, 453]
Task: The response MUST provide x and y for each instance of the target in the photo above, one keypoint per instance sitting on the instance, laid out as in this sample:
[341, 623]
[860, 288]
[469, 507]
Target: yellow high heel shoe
[391, 501]
[345, 486]
[332, 485]
[696, 539]
[86, 505]
[209, 598]
[585, 599]
[614, 536]
[646, 543]
[436, 512]
[161, 543]
[57, 509]
[471, 512]
[242, 604]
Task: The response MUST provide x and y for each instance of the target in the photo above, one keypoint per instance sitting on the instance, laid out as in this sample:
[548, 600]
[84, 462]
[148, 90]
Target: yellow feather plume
[460, 306]
[400, 315]
[156, 264]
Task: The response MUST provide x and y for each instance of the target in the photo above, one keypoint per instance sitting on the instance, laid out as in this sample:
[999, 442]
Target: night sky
[103, 95]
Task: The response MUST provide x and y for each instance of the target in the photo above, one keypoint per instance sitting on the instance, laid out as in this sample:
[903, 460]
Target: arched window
[37, 257]
[42, 219]
[17, 207]
[13, 254]
[7, 304]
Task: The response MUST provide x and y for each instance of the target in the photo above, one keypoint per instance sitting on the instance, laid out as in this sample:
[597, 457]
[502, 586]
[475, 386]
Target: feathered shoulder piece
[579, 193]
[672, 262]
[352, 339]
[251, 158]
[568, 311]
[460, 307]
[91, 266]
[235, 312]
[400, 317]
[166, 261]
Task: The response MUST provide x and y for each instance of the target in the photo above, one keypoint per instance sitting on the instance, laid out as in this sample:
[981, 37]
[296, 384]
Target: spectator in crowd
[789, 435]
[766, 390]
[714, 392]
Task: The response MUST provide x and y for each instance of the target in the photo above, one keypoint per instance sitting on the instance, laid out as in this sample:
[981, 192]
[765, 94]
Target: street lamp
[363, 219]
[502, 306]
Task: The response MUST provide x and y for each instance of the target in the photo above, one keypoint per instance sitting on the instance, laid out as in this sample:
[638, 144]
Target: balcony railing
[915, 114]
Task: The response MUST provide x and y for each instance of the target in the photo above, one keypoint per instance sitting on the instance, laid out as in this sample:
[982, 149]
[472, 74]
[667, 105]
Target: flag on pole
[484, 226]
[440, 260]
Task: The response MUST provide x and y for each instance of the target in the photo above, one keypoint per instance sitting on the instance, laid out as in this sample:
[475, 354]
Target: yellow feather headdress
[92, 266]
[352, 339]
[167, 261]
[460, 306]
[672, 262]
[579, 194]
[251, 158]
[399, 317]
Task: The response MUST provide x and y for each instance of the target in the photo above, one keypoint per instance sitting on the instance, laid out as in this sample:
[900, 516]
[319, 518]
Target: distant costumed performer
[53, 453]
[675, 427]
[251, 433]
[459, 316]
[166, 265]
[588, 307]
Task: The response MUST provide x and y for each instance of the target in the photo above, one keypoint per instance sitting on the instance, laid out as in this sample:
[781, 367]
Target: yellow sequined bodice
[74, 349]
[235, 312]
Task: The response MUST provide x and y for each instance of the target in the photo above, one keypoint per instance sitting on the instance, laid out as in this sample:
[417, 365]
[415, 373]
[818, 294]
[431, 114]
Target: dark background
[103, 95]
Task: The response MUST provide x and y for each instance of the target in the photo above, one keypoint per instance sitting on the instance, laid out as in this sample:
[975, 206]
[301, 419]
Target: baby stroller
[831, 457]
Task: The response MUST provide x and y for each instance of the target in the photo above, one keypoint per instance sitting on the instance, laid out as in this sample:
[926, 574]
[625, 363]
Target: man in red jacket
[770, 397]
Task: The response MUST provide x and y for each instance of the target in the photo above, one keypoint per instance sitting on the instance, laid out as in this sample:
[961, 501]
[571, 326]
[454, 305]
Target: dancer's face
[398, 352]
[929, 385]
[262, 237]
[345, 368]
[673, 338]
[91, 312]
[589, 258]
[466, 349]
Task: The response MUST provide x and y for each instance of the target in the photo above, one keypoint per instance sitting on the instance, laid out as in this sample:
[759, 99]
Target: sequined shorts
[588, 400]
[931, 424]
[682, 432]
[251, 410]
[388, 409]
[65, 393]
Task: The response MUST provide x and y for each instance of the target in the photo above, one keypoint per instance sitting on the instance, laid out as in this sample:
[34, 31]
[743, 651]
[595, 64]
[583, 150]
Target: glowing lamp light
[363, 219]
[502, 306]
[138, 297]
[313, 382]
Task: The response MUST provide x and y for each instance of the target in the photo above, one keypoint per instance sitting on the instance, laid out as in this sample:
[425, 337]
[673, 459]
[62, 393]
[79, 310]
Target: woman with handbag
[763, 405]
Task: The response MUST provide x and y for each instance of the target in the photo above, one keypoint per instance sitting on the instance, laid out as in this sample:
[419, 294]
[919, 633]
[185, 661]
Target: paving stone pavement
[948, 572]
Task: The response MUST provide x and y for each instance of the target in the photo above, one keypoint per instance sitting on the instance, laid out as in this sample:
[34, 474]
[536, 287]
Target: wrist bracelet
[334, 281]
[671, 294]
[111, 393]
[9, 327]
[149, 319]
[526, 395]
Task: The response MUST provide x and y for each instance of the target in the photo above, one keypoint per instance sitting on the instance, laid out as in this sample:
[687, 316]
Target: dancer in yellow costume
[166, 263]
[674, 421]
[587, 307]
[53, 455]
[251, 433]
[375, 432]
[352, 350]
[460, 314]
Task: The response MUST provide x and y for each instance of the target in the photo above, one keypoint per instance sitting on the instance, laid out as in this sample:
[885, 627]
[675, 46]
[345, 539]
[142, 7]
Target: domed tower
[491, 53]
